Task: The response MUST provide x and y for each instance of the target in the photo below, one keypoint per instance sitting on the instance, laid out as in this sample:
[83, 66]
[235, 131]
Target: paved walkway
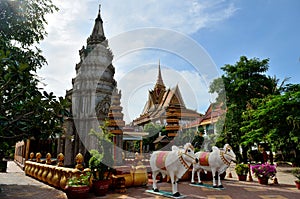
[15, 185]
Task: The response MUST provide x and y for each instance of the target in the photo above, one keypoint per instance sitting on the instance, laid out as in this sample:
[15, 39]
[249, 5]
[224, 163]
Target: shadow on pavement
[29, 191]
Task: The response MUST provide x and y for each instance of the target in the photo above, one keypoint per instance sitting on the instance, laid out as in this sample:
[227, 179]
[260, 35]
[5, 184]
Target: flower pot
[263, 180]
[297, 184]
[77, 192]
[242, 177]
[100, 187]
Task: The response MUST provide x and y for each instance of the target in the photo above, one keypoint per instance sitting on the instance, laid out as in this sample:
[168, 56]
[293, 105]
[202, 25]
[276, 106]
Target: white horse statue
[216, 161]
[172, 163]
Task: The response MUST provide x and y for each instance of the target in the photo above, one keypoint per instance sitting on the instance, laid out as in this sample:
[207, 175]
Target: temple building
[95, 99]
[115, 125]
[166, 107]
[91, 96]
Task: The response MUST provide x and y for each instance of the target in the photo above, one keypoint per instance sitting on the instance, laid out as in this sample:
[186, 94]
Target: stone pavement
[15, 185]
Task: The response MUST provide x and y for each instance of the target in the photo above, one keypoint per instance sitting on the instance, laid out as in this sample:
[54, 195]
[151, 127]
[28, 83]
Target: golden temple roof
[160, 100]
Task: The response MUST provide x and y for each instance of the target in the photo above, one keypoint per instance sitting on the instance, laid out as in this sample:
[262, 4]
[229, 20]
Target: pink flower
[264, 170]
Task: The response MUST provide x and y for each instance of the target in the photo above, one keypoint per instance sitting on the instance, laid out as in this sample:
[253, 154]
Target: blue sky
[263, 29]
[217, 32]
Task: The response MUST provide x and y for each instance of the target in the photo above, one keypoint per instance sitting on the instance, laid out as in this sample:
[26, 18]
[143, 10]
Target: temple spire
[159, 78]
[159, 88]
[97, 35]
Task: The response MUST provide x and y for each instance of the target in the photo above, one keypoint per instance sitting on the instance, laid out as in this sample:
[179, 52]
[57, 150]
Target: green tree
[241, 82]
[25, 110]
[275, 120]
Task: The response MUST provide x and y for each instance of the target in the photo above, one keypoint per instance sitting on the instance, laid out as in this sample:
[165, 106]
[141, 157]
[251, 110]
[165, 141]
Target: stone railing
[57, 175]
[54, 175]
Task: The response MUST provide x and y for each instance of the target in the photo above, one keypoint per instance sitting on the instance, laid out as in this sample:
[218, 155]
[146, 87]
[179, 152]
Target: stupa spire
[97, 35]
[159, 88]
[159, 77]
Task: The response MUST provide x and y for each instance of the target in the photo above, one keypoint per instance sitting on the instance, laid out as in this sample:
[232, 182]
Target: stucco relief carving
[102, 107]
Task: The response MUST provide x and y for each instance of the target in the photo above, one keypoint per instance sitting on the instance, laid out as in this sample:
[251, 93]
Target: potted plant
[264, 172]
[101, 161]
[242, 171]
[296, 173]
[78, 185]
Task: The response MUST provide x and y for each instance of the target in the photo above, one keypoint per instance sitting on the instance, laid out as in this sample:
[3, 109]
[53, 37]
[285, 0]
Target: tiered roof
[160, 101]
[211, 116]
[115, 115]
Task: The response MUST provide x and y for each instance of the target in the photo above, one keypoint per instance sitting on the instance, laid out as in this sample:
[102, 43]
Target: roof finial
[159, 78]
[97, 35]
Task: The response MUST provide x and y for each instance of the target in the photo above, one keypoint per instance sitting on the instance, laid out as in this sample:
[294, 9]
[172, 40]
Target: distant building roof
[162, 139]
[212, 115]
[160, 99]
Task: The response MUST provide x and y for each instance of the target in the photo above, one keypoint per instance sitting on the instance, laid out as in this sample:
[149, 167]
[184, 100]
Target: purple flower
[265, 170]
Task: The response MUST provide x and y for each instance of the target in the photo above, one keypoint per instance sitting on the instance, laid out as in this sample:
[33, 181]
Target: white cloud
[70, 27]
[183, 16]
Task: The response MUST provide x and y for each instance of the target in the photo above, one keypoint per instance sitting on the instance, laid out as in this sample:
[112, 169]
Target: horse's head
[189, 152]
[188, 146]
[229, 153]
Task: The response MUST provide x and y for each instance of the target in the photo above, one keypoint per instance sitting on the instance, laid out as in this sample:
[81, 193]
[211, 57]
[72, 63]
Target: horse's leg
[219, 181]
[154, 186]
[174, 185]
[193, 173]
[172, 182]
[214, 177]
[198, 175]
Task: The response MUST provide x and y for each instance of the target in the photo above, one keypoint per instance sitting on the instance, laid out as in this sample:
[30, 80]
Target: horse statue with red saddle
[172, 163]
[216, 161]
